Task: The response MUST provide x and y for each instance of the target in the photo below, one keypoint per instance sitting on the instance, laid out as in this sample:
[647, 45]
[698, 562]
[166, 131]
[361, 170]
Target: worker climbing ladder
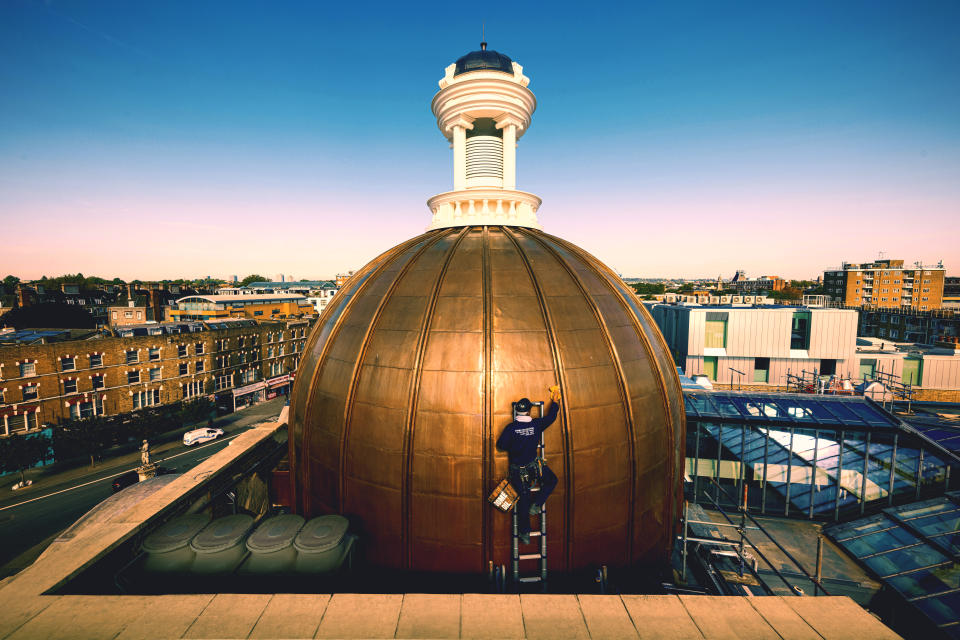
[536, 536]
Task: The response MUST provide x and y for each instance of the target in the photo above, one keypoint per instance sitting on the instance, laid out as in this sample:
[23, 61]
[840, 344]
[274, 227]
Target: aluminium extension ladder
[537, 536]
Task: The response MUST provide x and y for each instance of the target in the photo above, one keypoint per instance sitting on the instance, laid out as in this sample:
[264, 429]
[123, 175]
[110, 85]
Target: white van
[201, 435]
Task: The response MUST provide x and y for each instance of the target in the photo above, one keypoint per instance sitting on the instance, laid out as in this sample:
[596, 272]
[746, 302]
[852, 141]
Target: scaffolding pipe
[766, 533]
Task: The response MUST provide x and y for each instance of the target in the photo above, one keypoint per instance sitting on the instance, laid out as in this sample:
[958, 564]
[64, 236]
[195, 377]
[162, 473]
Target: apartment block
[886, 284]
[233, 362]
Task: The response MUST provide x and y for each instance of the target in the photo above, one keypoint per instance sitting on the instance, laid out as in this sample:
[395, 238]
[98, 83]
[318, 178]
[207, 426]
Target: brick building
[235, 362]
[909, 325]
[130, 314]
[267, 305]
[886, 284]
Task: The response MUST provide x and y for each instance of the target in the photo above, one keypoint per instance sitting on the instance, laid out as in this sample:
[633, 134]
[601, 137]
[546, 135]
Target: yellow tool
[555, 393]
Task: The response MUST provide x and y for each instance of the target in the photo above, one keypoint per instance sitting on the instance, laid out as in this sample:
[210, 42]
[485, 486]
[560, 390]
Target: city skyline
[175, 141]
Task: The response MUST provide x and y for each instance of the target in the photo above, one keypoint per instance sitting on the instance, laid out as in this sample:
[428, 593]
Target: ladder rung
[534, 534]
[530, 556]
[534, 489]
[530, 579]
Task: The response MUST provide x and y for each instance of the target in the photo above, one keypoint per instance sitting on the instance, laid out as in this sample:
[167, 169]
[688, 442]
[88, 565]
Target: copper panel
[571, 312]
[439, 433]
[365, 425]
[583, 348]
[514, 282]
[439, 517]
[390, 348]
[456, 313]
[414, 284]
[603, 465]
[628, 348]
[377, 466]
[384, 386]
[593, 430]
[403, 313]
[447, 556]
[452, 392]
[522, 351]
[593, 386]
[454, 351]
[517, 310]
[447, 475]
[613, 312]
[516, 314]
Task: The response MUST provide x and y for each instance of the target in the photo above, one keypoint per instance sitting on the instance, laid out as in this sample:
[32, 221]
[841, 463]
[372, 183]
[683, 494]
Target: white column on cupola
[509, 127]
[459, 133]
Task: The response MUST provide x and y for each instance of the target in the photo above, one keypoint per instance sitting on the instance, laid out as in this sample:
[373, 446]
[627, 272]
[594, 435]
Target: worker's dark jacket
[520, 438]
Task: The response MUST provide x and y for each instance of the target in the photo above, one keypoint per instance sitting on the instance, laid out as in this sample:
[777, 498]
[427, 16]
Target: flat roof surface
[418, 615]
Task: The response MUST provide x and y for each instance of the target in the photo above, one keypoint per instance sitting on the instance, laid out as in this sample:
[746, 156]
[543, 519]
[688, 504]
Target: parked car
[201, 435]
[124, 480]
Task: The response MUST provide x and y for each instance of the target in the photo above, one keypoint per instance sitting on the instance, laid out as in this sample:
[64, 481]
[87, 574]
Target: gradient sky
[181, 139]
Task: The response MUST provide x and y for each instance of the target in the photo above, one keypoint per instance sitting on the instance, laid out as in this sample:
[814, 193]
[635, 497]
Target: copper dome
[407, 381]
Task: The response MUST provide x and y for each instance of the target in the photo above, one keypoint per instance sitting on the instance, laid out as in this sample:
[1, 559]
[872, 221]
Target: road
[29, 519]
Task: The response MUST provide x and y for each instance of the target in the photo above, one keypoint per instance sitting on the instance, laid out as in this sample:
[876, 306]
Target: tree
[787, 293]
[20, 452]
[646, 288]
[88, 438]
[10, 283]
[252, 278]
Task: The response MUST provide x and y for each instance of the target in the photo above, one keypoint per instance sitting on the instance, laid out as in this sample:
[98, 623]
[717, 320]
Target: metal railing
[744, 540]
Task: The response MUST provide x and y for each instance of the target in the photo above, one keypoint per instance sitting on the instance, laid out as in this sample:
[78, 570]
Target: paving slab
[360, 615]
[83, 618]
[291, 615]
[784, 620]
[660, 617]
[491, 615]
[839, 618]
[229, 615]
[164, 617]
[429, 615]
[552, 616]
[727, 618]
[18, 611]
[606, 617]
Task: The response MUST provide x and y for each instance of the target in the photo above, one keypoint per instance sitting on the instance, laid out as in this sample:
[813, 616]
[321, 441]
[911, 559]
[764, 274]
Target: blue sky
[679, 139]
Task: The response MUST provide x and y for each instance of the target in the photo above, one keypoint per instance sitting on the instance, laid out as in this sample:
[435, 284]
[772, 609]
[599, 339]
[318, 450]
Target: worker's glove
[555, 393]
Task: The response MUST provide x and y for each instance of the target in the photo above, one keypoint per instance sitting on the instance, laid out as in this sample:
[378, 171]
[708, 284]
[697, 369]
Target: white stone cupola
[483, 108]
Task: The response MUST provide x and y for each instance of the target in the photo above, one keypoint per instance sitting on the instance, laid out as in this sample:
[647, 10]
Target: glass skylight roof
[915, 549]
[787, 408]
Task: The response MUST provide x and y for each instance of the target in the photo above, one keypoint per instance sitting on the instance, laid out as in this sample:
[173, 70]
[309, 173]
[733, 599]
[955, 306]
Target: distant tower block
[483, 108]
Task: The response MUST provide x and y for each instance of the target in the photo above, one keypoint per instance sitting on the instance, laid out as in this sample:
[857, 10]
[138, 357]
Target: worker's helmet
[523, 405]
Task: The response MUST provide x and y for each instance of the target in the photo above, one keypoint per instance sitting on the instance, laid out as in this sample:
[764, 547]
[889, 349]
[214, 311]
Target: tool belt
[530, 472]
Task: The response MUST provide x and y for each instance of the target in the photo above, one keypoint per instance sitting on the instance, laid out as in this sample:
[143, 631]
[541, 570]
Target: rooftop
[34, 609]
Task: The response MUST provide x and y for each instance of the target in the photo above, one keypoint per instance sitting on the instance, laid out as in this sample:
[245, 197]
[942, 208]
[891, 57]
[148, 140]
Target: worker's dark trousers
[548, 483]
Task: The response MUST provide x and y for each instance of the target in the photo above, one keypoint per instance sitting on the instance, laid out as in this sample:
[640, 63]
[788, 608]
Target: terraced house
[46, 380]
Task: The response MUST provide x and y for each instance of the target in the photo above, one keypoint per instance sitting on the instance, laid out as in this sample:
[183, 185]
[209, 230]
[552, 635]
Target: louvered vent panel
[484, 157]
